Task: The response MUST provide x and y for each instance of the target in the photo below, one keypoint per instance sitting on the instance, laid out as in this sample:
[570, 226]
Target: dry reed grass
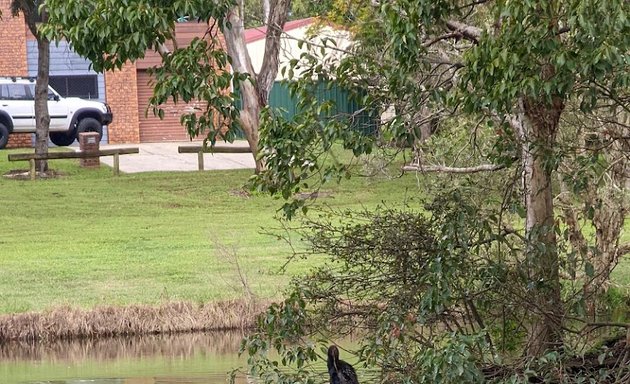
[169, 318]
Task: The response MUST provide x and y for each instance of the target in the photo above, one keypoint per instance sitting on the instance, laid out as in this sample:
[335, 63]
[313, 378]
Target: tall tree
[256, 88]
[109, 39]
[513, 64]
[34, 15]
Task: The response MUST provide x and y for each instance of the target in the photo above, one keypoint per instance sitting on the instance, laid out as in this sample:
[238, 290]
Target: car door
[58, 111]
[18, 101]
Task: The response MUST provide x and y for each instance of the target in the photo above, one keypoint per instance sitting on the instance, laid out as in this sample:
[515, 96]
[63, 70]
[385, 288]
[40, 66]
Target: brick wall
[121, 88]
[120, 85]
[13, 47]
[20, 140]
[13, 58]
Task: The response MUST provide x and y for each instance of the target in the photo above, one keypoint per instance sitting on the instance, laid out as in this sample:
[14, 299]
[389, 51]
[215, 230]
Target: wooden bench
[200, 150]
[31, 157]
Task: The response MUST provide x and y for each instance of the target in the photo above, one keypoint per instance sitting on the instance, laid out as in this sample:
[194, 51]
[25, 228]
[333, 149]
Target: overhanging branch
[451, 35]
[461, 170]
[467, 31]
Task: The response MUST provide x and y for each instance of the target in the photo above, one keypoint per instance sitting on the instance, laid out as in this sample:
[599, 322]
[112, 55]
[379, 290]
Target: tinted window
[85, 87]
[18, 92]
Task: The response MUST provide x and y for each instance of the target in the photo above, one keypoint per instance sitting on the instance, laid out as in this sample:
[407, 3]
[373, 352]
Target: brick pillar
[121, 89]
[13, 58]
[89, 141]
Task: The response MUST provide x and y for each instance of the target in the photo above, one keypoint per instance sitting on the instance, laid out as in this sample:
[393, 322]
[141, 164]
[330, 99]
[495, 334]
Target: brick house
[127, 91]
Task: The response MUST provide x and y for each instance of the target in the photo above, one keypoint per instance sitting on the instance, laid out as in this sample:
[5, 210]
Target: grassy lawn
[88, 238]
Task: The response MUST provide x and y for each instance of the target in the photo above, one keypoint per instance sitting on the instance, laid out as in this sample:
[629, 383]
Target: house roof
[258, 33]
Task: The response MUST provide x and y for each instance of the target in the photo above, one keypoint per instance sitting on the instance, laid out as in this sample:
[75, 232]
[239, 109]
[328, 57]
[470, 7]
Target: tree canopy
[536, 92]
[205, 70]
[493, 265]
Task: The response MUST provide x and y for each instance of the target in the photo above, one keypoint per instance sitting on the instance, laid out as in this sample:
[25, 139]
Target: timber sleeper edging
[201, 149]
[32, 157]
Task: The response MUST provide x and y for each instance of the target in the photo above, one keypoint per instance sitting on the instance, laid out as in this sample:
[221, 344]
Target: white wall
[289, 46]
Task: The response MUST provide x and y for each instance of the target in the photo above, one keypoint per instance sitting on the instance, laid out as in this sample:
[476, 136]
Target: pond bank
[108, 321]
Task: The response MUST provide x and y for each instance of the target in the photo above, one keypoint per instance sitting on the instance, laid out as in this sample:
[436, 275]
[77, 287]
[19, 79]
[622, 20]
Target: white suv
[68, 116]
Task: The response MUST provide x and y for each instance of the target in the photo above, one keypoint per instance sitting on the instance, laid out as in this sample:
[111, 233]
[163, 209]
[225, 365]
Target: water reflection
[127, 381]
[158, 359]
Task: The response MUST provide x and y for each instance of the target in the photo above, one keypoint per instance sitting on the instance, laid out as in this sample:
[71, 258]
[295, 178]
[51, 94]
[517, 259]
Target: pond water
[175, 359]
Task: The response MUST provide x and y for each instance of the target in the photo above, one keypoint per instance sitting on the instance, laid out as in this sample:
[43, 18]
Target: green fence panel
[346, 107]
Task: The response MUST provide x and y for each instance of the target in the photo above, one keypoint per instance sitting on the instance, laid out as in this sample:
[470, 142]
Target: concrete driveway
[164, 157]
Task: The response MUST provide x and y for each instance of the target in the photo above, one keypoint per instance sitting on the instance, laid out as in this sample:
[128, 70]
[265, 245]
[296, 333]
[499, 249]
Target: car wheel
[90, 124]
[61, 139]
[4, 135]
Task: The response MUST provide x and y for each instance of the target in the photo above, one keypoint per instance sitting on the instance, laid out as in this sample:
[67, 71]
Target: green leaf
[589, 270]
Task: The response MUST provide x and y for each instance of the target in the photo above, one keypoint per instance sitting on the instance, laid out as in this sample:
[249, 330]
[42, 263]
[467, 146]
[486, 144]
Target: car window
[30, 89]
[19, 92]
[51, 94]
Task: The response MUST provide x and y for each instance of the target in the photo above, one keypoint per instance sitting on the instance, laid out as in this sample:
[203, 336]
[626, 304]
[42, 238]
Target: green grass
[621, 275]
[88, 238]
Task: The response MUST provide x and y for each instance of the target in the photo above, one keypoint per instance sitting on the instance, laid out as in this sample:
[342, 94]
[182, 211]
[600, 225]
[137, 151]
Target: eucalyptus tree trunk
[241, 63]
[255, 89]
[538, 137]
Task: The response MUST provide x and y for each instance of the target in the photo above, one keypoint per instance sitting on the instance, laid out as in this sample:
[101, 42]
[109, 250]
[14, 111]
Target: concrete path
[164, 157]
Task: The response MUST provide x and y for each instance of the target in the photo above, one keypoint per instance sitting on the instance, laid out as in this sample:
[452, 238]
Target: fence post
[32, 171]
[200, 159]
[116, 164]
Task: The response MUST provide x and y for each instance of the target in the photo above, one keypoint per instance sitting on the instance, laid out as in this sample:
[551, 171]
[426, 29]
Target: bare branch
[277, 18]
[266, 10]
[467, 31]
[162, 49]
[445, 169]
[472, 4]
[601, 324]
[563, 30]
[447, 36]
[314, 44]
[235, 41]
[608, 93]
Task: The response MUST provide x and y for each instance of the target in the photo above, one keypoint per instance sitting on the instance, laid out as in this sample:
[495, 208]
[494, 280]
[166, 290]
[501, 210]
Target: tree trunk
[250, 119]
[609, 203]
[266, 10]
[540, 123]
[42, 117]
[256, 88]
[608, 221]
[241, 63]
[33, 16]
[603, 202]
